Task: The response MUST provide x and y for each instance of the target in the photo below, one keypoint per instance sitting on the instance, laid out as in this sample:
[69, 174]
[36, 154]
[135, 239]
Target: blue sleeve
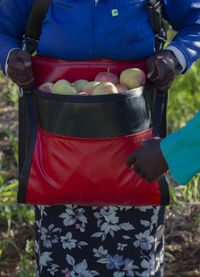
[181, 150]
[184, 16]
[13, 18]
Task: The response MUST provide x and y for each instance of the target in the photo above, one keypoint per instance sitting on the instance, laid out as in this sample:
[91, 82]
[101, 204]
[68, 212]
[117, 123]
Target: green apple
[79, 84]
[105, 88]
[132, 78]
[46, 87]
[63, 87]
[90, 87]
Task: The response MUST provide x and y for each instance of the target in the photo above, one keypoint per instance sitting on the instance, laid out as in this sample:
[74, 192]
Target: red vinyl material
[88, 172]
[51, 70]
[85, 171]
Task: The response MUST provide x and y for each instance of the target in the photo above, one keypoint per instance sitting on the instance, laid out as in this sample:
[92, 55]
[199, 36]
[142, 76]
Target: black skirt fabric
[80, 241]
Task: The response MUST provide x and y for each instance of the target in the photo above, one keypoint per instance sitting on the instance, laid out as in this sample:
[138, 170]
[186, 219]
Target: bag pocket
[60, 169]
[90, 172]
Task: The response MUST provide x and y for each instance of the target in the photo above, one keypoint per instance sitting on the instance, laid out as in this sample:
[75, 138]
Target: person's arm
[15, 62]
[184, 16]
[179, 151]
[180, 57]
[184, 49]
[13, 18]
[6, 62]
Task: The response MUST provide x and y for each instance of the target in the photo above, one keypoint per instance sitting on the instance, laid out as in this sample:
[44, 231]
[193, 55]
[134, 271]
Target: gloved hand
[148, 161]
[162, 69]
[20, 68]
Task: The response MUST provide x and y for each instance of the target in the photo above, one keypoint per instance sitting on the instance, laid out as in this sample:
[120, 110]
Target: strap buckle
[24, 91]
[160, 38]
[30, 44]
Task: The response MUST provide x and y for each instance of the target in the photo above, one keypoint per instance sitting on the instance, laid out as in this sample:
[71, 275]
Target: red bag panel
[51, 70]
[96, 167]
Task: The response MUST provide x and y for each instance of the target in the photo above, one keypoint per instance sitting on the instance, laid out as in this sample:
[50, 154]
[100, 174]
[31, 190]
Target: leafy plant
[26, 266]
[13, 92]
[184, 98]
[191, 192]
[13, 143]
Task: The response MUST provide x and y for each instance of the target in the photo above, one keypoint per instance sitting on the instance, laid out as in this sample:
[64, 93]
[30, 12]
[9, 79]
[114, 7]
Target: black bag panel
[100, 116]
[23, 131]
[164, 190]
[28, 130]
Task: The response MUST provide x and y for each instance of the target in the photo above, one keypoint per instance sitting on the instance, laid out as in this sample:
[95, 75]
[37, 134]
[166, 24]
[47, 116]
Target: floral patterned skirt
[78, 241]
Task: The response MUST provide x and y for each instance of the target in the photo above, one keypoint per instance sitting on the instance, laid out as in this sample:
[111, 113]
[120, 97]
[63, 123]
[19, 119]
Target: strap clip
[30, 44]
[24, 91]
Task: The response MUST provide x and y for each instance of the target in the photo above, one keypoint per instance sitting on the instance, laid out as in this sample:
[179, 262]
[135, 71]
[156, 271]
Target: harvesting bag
[73, 149]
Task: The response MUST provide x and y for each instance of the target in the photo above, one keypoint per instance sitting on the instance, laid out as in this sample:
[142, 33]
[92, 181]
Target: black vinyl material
[102, 116]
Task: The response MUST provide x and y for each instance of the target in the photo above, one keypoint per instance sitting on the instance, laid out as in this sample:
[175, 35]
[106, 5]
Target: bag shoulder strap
[34, 24]
[160, 109]
[155, 16]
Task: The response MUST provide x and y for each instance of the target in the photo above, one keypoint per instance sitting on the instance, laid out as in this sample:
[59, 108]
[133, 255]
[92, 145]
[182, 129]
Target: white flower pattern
[108, 222]
[74, 241]
[48, 235]
[72, 215]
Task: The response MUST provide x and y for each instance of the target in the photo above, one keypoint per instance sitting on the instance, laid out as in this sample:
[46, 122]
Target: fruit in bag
[90, 87]
[63, 87]
[80, 84]
[104, 83]
[121, 88]
[46, 87]
[107, 77]
[132, 78]
[105, 88]
[82, 93]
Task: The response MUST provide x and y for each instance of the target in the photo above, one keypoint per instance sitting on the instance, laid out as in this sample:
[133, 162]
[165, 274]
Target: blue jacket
[113, 29]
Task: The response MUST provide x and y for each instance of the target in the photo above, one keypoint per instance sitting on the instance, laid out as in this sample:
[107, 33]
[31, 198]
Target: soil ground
[182, 234]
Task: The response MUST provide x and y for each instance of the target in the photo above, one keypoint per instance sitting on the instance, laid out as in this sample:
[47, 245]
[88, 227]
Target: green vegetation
[184, 98]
